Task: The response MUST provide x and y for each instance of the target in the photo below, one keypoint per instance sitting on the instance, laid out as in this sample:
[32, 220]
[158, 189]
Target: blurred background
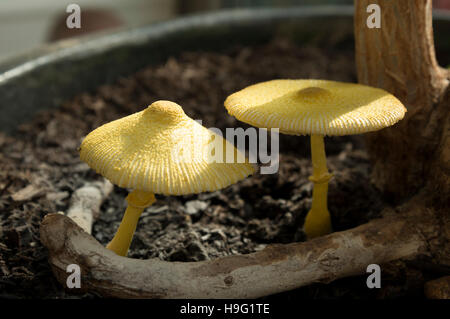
[27, 24]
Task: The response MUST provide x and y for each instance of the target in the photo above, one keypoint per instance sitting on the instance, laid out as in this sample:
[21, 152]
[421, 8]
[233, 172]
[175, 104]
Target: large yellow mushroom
[159, 150]
[316, 108]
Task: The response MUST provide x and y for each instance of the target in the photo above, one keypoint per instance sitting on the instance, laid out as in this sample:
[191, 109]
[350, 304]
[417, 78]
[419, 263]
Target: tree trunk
[400, 58]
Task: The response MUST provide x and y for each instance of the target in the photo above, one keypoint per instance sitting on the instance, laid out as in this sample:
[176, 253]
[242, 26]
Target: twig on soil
[86, 201]
[275, 269]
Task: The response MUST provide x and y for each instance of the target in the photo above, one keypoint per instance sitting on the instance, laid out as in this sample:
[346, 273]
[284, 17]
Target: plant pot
[52, 74]
[47, 77]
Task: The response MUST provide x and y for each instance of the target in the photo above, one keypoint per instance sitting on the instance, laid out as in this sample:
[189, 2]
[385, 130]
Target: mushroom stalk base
[137, 202]
[318, 221]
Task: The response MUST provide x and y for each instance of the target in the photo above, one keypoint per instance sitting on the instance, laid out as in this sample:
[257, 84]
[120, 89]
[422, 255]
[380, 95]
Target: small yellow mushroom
[316, 108]
[158, 150]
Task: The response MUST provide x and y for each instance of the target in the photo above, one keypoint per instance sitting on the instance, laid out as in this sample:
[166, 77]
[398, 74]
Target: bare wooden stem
[275, 269]
[400, 58]
[86, 201]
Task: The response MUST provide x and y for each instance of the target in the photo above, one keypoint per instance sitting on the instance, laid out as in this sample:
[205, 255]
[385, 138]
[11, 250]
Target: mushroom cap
[161, 150]
[305, 107]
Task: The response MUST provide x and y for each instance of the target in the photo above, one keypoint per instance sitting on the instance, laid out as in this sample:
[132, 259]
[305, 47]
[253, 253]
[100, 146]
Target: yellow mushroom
[158, 150]
[316, 108]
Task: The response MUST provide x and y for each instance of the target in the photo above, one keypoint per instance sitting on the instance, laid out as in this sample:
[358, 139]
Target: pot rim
[98, 43]
[37, 80]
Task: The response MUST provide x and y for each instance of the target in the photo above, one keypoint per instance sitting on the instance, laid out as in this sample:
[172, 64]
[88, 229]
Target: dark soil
[40, 169]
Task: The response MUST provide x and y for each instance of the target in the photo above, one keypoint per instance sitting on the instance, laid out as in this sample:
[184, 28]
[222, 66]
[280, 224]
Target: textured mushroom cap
[161, 150]
[301, 107]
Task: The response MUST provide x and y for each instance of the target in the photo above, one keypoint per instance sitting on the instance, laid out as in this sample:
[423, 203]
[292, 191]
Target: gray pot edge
[22, 92]
[87, 45]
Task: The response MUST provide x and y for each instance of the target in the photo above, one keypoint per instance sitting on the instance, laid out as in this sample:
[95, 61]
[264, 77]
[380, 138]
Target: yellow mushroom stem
[318, 221]
[137, 202]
